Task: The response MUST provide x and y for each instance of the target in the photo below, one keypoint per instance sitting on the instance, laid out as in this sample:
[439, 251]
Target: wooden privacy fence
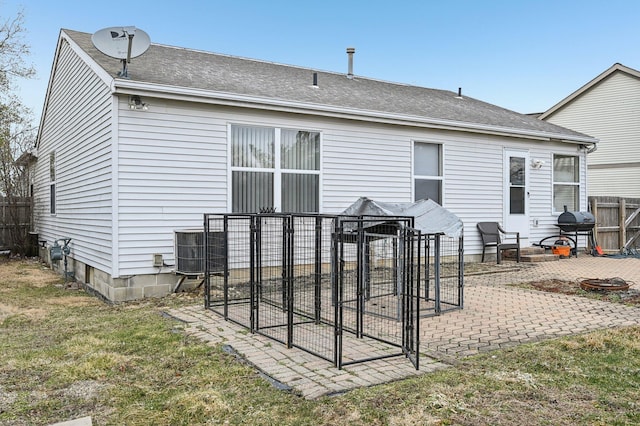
[15, 222]
[617, 222]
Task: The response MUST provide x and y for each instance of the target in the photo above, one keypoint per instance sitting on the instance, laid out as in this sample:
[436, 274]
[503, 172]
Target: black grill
[576, 221]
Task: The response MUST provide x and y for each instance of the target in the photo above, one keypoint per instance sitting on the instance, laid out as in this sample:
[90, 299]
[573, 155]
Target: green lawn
[65, 354]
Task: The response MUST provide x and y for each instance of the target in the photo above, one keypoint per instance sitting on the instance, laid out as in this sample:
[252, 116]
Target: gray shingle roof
[180, 67]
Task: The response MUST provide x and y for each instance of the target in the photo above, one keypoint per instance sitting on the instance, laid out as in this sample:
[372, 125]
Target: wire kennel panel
[377, 294]
[272, 279]
[313, 311]
[443, 276]
[228, 272]
[329, 285]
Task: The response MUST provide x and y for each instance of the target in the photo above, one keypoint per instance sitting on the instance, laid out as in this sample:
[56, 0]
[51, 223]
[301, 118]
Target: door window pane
[517, 182]
[516, 200]
[517, 171]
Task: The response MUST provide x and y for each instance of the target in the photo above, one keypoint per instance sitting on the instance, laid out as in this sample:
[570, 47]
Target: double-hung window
[52, 183]
[274, 169]
[566, 182]
[427, 171]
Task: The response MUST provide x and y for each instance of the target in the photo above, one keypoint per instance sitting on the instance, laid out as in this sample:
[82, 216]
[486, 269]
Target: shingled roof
[173, 67]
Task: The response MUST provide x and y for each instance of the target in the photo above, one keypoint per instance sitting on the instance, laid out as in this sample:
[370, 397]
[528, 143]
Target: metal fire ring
[608, 284]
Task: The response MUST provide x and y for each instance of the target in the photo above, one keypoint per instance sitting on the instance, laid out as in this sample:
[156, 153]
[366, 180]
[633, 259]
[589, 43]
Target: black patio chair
[491, 233]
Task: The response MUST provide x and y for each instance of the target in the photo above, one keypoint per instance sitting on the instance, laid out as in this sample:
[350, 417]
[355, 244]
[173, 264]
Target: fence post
[593, 202]
[622, 216]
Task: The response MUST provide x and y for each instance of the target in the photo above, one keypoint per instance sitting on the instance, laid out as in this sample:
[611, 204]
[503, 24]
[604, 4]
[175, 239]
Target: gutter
[128, 87]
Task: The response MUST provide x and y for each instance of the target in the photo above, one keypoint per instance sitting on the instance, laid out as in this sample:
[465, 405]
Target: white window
[566, 182]
[427, 171]
[52, 183]
[274, 168]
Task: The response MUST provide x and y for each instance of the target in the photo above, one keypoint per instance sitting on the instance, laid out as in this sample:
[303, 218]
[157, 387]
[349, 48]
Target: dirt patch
[630, 296]
[29, 272]
[7, 311]
[74, 301]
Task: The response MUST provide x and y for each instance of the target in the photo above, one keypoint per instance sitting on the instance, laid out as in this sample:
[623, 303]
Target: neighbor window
[566, 183]
[274, 168]
[427, 171]
[52, 183]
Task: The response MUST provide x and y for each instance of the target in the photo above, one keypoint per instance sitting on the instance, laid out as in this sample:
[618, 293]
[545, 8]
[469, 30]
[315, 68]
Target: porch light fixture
[135, 102]
[537, 164]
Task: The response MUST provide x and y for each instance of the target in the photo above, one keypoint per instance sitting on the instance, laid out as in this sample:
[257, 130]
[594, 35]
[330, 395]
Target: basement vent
[189, 251]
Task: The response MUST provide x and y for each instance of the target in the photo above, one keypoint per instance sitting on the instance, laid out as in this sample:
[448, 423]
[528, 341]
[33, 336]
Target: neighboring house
[124, 162]
[608, 108]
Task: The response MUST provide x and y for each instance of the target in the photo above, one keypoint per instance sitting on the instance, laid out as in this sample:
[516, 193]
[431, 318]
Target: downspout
[587, 150]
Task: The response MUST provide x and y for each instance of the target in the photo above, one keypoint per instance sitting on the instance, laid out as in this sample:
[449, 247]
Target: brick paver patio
[495, 315]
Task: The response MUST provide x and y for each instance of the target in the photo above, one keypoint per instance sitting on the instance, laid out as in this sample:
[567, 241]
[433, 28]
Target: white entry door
[516, 192]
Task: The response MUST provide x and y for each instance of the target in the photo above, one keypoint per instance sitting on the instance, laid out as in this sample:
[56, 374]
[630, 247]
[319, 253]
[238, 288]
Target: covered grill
[576, 221]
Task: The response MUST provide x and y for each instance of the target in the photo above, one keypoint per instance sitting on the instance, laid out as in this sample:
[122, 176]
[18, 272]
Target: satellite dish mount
[119, 43]
[130, 32]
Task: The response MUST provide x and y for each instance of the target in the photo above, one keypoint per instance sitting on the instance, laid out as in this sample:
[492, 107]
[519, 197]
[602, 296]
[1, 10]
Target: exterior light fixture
[537, 164]
[135, 102]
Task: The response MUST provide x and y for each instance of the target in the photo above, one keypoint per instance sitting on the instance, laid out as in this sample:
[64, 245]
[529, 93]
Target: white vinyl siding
[625, 180]
[609, 111]
[172, 169]
[364, 160]
[77, 128]
[173, 166]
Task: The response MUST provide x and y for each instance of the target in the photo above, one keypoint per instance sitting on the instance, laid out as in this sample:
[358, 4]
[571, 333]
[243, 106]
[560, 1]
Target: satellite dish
[121, 42]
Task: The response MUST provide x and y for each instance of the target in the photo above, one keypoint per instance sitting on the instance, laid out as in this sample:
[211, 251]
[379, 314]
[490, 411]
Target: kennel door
[412, 258]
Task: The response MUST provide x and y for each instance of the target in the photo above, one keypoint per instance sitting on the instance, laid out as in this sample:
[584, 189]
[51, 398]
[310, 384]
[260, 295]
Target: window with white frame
[274, 168]
[52, 183]
[427, 171]
[566, 182]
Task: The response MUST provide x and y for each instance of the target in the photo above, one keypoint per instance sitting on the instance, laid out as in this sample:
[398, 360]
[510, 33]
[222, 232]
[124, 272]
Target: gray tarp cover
[430, 217]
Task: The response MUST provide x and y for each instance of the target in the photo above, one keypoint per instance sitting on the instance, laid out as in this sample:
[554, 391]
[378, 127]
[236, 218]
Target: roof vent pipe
[350, 52]
[315, 79]
[459, 93]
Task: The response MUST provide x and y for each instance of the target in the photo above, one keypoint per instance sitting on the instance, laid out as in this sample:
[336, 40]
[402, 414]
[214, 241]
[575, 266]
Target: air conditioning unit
[190, 253]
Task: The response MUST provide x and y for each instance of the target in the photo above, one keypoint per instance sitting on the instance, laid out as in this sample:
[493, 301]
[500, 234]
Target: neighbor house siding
[615, 181]
[609, 111]
[77, 128]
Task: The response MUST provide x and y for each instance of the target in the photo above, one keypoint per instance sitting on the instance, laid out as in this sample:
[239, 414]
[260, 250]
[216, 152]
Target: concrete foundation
[114, 289]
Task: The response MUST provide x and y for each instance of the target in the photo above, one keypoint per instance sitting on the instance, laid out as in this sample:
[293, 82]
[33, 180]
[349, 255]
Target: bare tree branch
[13, 51]
[16, 133]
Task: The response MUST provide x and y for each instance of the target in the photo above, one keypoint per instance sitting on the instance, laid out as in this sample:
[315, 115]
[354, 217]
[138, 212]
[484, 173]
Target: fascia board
[127, 87]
